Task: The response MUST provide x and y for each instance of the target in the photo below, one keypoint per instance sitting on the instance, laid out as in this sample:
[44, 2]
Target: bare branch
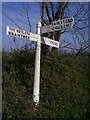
[52, 8]
[63, 9]
[57, 14]
[47, 11]
[65, 46]
[27, 14]
[11, 20]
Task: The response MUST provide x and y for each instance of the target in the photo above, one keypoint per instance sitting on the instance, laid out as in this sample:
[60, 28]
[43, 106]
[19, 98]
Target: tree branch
[63, 9]
[12, 20]
[47, 11]
[52, 8]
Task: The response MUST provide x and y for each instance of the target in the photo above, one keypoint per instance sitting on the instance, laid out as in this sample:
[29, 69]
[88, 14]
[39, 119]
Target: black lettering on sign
[28, 37]
[58, 22]
[23, 36]
[70, 20]
[61, 26]
[12, 33]
[9, 33]
[18, 31]
[11, 29]
[53, 28]
[56, 44]
[66, 20]
[52, 42]
[67, 25]
[61, 22]
[18, 35]
[28, 33]
[64, 26]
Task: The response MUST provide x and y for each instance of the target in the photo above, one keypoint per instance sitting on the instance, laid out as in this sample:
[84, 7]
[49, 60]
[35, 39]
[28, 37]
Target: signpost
[22, 34]
[31, 36]
[50, 42]
[37, 67]
[37, 38]
[58, 25]
[55, 26]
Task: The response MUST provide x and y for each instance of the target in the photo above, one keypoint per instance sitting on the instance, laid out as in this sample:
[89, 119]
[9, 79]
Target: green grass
[63, 86]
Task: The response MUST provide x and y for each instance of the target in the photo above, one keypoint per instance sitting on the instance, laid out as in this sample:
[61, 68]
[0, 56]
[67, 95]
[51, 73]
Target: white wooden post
[37, 67]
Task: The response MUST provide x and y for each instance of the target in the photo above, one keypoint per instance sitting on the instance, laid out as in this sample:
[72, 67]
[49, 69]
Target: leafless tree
[51, 11]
